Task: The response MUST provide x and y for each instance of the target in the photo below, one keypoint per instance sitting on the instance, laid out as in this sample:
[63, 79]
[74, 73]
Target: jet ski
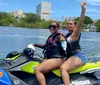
[18, 69]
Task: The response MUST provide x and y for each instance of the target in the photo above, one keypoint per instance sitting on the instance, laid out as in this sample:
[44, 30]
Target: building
[91, 27]
[67, 18]
[18, 14]
[43, 10]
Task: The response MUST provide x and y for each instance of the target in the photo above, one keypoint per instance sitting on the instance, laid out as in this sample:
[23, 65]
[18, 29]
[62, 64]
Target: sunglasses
[52, 26]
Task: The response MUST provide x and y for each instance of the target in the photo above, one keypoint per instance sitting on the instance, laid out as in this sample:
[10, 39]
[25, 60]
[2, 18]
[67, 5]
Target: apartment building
[43, 10]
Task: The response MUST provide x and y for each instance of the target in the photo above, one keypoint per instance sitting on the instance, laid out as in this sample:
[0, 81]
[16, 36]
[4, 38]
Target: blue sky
[59, 8]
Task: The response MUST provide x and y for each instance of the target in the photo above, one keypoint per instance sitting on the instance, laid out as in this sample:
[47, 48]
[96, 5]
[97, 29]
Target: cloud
[94, 13]
[93, 2]
[93, 10]
[52, 11]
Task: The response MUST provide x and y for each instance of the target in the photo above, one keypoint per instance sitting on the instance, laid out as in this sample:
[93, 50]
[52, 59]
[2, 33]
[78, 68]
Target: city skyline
[58, 8]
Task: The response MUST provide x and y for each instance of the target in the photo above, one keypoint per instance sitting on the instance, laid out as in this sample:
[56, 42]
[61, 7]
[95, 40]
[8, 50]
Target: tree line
[33, 21]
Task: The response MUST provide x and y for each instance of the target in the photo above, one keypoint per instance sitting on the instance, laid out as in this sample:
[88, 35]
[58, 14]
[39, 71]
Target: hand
[83, 4]
[62, 38]
[31, 46]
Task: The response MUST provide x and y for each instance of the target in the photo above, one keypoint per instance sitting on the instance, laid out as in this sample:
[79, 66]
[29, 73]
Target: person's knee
[36, 70]
[62, 68]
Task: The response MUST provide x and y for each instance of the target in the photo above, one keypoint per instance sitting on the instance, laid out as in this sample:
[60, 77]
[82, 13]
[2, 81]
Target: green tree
[87, 20]
[64, 22]
[31, 18]
[98, 25]
[76, 19]
[6, 19]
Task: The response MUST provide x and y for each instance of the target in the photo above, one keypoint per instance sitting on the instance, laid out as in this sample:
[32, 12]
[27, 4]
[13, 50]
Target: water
[16, 39]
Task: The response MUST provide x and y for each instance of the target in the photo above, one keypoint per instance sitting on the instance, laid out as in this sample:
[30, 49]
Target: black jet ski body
[19, 70]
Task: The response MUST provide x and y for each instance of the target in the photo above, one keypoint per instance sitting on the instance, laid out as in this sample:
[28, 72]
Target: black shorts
[56, 56]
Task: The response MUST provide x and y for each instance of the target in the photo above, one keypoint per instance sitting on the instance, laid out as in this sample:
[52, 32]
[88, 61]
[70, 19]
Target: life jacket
[52, 47]
[72, 47]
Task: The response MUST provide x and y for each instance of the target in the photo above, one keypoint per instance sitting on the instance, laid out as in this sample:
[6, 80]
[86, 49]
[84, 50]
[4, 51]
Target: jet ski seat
[87, 68]
[91, 70]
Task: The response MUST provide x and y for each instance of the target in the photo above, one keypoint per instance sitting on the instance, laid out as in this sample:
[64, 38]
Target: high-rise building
[43, 10]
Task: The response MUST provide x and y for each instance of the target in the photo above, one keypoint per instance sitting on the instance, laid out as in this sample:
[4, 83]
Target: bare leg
[65, 77]
[69, 65]
[45, 67]
[40, 77]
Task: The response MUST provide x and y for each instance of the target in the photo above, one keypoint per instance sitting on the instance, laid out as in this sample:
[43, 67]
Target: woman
[53, 52]
[76, 57]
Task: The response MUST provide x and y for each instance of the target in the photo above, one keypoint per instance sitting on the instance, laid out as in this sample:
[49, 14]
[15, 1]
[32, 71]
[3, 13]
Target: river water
[16, 39]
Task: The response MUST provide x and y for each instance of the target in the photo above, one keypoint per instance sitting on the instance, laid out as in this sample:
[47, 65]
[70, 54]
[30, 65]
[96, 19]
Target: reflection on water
[16, 39]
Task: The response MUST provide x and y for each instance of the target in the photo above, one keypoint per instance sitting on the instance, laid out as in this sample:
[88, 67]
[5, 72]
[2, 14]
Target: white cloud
[93, 10]
[94, 13]
[52, 11]
[93, 2]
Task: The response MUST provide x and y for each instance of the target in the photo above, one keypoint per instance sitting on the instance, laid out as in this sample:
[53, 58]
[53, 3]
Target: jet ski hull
[16, 70]
[23, 78]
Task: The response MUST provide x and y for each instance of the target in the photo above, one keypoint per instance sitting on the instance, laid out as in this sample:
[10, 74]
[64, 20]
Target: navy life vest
[73, 46]
[53, 47]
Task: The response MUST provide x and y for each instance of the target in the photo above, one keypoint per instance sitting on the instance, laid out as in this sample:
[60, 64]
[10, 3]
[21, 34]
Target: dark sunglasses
[52, 26]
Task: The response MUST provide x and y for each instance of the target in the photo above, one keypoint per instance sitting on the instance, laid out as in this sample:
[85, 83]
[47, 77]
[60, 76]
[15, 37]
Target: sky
[59, 8]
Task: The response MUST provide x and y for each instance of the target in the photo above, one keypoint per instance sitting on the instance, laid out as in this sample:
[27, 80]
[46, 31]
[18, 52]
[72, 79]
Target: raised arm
[78, 28]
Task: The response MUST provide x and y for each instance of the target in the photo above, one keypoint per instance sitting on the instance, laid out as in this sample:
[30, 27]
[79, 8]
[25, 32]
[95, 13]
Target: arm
[39, 45]
[78, 28]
